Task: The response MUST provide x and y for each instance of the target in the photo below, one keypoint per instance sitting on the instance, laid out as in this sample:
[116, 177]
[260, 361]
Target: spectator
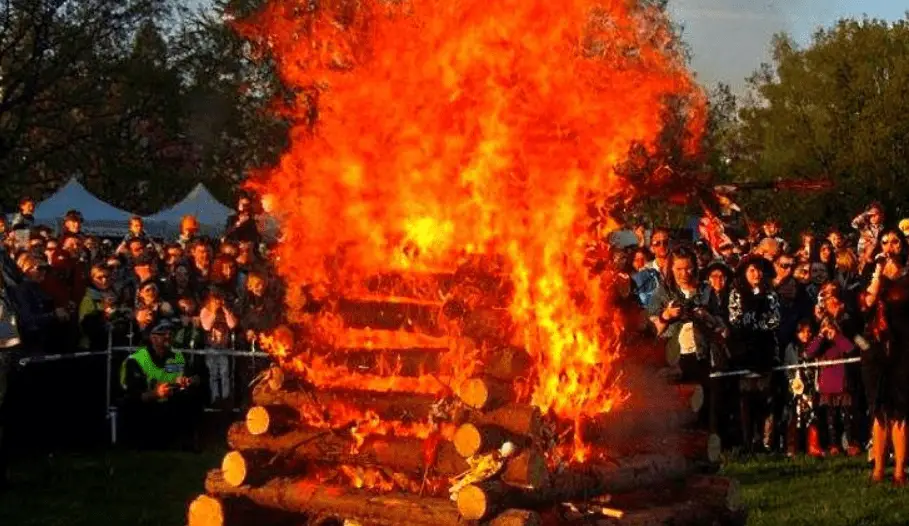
[136, 233]
[202, 262]
[869, 224]
[218, 320]
[72, 223]
[754, 315]
[34, 307]
[260, 307]
[886, 356]
[189, 232]
[242, 225]
[25, 218]
[803, 388]
[646, 279]
[95, 309]
[162, 402]
[659, 245]
[189, 334]
[808, 246]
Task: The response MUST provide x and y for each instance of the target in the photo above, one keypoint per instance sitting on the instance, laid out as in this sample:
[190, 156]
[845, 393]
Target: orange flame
[468, 126]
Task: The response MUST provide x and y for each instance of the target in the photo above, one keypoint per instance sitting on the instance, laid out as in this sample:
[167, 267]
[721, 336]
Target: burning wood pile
[425, 381]
[423, 419]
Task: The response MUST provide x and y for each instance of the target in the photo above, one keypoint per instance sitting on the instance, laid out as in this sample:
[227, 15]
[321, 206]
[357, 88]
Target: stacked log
[479, 439]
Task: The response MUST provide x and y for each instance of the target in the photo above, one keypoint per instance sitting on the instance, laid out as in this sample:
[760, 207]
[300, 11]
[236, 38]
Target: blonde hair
[846, 261]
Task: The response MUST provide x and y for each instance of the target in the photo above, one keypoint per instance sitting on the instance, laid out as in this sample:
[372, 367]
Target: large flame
[427, 129]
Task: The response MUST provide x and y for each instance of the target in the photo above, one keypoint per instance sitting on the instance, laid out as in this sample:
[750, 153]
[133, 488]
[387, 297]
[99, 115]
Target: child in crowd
[218, 320]
[835, 399]
[803, 387]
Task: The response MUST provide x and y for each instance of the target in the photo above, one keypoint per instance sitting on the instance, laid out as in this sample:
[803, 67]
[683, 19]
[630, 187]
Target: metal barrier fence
[109, 408]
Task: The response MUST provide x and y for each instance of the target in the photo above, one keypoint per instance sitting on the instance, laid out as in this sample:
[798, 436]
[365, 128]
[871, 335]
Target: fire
[446, 128]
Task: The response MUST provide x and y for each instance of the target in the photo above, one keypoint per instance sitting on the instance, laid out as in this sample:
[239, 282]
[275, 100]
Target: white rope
[42, 358]
[810, 365]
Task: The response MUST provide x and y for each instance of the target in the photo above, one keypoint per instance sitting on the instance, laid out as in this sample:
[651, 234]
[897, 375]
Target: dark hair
[804, 322]
[904, 247]
[642, 250]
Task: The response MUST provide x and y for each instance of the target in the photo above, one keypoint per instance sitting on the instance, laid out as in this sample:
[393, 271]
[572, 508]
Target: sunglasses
[786, 266]
[659, 243]
[890, 241]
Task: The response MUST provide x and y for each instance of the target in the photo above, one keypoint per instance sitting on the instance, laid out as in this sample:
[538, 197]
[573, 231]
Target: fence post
[107, 388]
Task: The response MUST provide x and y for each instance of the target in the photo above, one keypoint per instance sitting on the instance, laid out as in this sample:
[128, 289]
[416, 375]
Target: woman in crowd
[886, 357]
[754, 314]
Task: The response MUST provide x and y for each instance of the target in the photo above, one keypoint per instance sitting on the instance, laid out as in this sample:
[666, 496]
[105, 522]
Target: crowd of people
[745, 302]
[740, 299]
[73, 291]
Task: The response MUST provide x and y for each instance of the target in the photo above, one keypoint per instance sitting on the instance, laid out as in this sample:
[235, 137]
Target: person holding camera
[885, 356]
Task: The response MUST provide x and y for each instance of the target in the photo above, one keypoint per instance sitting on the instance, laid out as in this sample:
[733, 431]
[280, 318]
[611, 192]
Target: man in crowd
[162, 393]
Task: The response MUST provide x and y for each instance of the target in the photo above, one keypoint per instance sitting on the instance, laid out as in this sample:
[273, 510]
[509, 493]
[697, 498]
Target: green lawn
[130, 489]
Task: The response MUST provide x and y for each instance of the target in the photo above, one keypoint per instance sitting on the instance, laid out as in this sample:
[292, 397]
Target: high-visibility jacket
[173, 368]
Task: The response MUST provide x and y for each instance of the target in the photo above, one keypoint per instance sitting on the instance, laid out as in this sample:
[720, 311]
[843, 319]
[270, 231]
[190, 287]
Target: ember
[434, 202]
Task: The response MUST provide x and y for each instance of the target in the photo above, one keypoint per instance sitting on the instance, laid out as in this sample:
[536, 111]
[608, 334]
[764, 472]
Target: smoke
[730, 38]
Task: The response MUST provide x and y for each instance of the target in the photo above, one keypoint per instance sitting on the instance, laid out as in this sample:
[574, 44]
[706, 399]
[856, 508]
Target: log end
[517, 518]
[257, 420]
[473, 503]
[474, 393]
[696, 401]
[468, 440]
[527, 469]
[234, 469]
[714, 448]
[205, 511]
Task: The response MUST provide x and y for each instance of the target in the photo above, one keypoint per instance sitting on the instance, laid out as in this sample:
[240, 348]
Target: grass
[152, 489]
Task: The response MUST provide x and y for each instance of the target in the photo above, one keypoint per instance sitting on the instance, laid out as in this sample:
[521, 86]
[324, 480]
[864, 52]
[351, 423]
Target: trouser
[218, 376]
[162, 425]
[839, 426]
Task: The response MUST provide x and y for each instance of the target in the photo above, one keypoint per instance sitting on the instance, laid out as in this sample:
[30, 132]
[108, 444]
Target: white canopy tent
[211, 214]
[100, 218]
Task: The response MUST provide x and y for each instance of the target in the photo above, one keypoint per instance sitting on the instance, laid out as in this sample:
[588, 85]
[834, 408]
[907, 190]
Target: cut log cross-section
[486, 393]
[472, 439]
[274, 419]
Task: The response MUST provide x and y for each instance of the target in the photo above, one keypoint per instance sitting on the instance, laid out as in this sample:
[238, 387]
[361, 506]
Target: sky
[730, 38]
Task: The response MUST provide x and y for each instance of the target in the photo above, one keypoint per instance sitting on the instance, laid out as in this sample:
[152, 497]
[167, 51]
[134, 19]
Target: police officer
[162, 399]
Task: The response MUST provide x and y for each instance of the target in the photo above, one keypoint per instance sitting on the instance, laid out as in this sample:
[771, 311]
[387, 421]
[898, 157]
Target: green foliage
[834, 110]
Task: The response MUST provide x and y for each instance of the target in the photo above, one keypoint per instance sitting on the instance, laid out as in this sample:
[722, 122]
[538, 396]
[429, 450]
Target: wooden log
[274, 419]
[388, 405]
[491, 325]
[518, 419]
[719, 491]
[693, 444]
[486, 499]
[311, 497]
[517, 518]
[418, 285]
[405, 455]
[477, 439]
[527, 469]
[485, 393]
[507, 363]
[401, 362]
[254, 467]
[391, 313]
[210, 511]
[620, 425]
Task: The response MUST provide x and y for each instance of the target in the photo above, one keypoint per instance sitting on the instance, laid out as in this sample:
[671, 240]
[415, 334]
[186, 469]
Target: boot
[852, 447]
[814, 442]
[792, 438]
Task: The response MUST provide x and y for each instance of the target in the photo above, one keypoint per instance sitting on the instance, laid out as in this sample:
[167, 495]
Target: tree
[58, 62]
[836, 109]
[231, 96]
